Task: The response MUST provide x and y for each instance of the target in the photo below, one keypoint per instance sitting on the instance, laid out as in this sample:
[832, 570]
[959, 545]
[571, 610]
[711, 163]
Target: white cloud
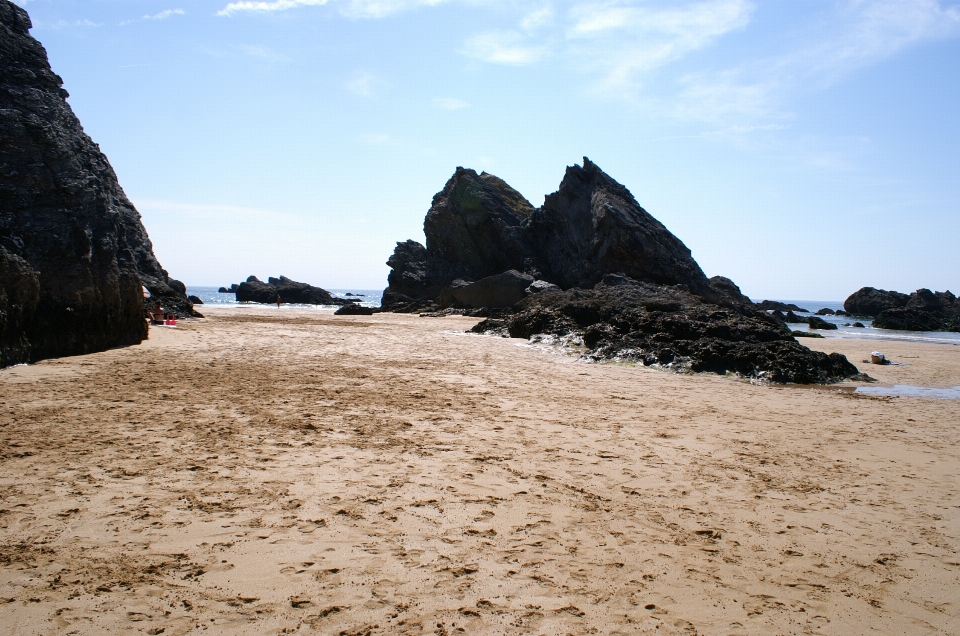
[64, 24]
[853, 35]
[383, 8]
[872, 30]
[504, 47]
[349, 8]
[537, 19]
[623, 41]
[267, 6]
[365, 84]
[163, 15]
[264, 53]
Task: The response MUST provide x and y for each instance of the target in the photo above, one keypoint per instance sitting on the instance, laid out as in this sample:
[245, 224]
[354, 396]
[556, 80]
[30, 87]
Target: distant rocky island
[593, 266]
[74, 255]
[923, 310]
[255, 290]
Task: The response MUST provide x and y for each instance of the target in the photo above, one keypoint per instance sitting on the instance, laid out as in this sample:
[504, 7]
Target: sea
[845, 328]
[210, 296]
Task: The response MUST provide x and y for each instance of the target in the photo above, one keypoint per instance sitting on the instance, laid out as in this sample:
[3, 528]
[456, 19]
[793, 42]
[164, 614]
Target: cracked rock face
[478, 226]
[73, 251]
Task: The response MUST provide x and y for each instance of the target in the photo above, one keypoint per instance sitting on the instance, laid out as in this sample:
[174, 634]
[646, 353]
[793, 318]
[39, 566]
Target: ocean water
[210, 296]
[868, 331]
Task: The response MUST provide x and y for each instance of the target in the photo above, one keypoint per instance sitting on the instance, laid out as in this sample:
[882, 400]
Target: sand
[280, 471]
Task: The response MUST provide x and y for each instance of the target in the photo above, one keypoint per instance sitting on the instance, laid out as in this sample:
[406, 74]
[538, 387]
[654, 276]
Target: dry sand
[280, 471]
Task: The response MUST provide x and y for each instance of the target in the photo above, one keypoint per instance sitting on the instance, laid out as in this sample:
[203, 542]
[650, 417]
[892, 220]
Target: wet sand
[293, 471]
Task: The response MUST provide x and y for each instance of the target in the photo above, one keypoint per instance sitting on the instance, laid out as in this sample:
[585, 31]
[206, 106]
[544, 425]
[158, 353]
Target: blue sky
[803, 149]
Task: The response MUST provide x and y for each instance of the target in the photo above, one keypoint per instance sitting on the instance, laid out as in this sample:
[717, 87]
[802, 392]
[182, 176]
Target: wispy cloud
[365, 84]
[269, 6]
[163, 15]
[505, 47]
[853, 35]
[376, 139]
[868, 31]
[382, 8]
[349, 8]
[263, 53]
[449, 103]
[66, 24]
[622, 42]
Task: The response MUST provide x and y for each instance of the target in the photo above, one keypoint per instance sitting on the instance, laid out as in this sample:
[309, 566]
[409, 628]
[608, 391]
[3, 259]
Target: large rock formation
[290, 291]
[870, 302]
[478, 226]
[923, 310]
[593, 266]
[73, 251]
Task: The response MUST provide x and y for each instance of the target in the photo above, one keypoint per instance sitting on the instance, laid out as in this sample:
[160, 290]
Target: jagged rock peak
[478, 226]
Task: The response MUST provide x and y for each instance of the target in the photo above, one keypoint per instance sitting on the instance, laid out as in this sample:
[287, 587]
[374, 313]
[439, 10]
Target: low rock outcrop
[669, 327]
[924, 310]
[290, 291]
[776, 305]
[74, 254]
[870, 302]
[354, 310]
[820, 323]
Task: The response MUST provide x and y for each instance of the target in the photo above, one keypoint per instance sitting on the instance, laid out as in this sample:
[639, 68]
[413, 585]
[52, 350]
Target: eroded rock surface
[478, 226]
[672, 328]
[73, 251]
[870, 302]
[925, 310]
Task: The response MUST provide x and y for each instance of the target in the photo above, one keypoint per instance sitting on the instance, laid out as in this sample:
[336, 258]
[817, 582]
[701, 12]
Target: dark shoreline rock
[870, 302]
[923, 310]
[668, 327]
[290, 291]
[352, 309]
[776, 305]
[74, 255]
[820, 323]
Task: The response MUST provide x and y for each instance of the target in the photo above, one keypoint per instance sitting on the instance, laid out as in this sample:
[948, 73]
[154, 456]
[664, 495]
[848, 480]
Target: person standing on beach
[278, 301]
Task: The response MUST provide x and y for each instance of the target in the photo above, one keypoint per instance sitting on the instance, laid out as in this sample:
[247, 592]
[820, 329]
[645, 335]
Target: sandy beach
[281, 471]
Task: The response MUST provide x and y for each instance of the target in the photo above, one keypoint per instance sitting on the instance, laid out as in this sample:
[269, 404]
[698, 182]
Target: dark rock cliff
[73, 251]
[478, 226]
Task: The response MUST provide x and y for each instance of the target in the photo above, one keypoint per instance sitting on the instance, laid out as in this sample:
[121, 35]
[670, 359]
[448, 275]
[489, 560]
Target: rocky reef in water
[590, 266]
[73, 250]
[290, 291]
[923, 310]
